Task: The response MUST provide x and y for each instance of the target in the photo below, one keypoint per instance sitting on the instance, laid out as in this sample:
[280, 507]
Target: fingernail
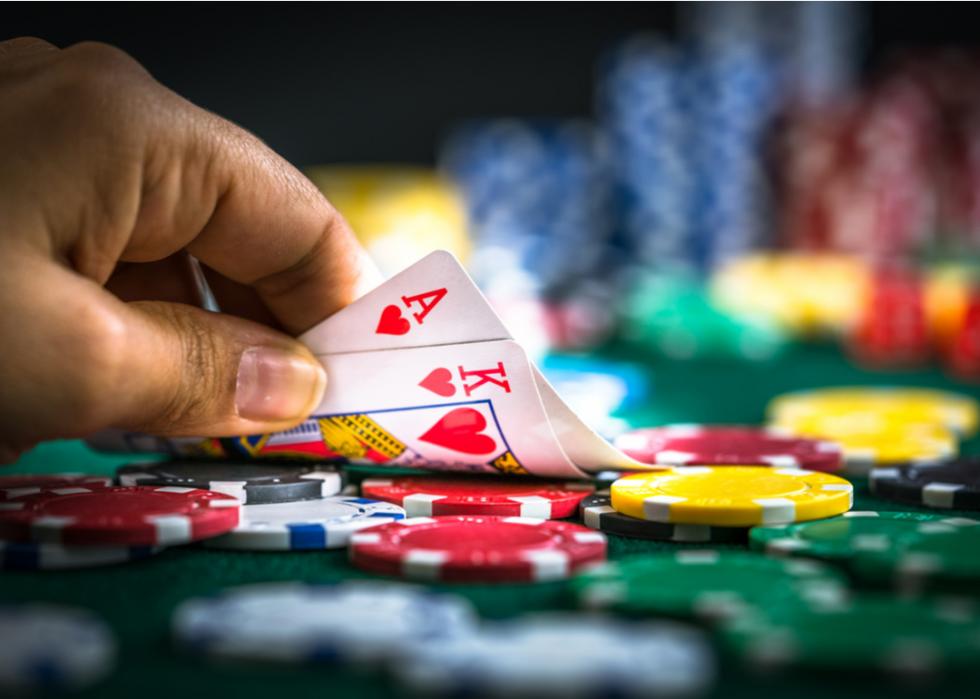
[277, 385]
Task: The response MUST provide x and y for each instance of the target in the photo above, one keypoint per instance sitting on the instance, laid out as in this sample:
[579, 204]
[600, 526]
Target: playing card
[423, 372]
[471, 406]
[459, 315]
[433, 302]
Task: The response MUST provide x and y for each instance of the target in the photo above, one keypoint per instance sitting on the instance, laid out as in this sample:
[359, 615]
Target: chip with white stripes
[478, 548]
[127, 516]
[425, 496]
[731, 496]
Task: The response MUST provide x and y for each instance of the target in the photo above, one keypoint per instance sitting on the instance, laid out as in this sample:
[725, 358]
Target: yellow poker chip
[731, 496]
[869, 439]
[955, 412]
[803, 293]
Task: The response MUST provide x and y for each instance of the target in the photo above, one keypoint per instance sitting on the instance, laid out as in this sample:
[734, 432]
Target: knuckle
[97, 59]
[100, 358]
[24, 46]
[200, 387]
[101, 83]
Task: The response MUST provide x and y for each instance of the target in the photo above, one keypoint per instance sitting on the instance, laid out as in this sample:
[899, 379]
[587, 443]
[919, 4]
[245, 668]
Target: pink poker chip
[729, 445]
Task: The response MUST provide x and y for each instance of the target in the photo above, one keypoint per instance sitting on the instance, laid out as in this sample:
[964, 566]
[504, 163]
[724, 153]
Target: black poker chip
[596, 512]
[253, 483]
[951, 484]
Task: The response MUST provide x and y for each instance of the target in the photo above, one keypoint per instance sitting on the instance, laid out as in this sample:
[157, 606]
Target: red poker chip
[686, 445]
[477, 549]
[130, 516]
[19, 485]
[424, 496]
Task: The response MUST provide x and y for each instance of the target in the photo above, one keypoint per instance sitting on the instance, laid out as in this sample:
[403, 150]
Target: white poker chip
[300, 623]
[563, 656]
[47, 647]
[326, 523]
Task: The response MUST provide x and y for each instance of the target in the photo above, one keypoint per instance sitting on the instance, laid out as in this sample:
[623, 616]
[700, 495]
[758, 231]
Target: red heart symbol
[440, 382]
[391, 322]
[459, 430]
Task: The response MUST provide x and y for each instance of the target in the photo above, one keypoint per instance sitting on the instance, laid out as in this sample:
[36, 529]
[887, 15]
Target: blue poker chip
[15, 555]
[364, 621]
[537, 197]
[326, 523]
[47, 647]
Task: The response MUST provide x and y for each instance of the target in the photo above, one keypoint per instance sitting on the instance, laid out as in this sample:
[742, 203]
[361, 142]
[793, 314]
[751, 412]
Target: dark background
[382, 82]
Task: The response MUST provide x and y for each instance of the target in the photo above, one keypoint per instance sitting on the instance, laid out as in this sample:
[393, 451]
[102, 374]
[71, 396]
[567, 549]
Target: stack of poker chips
[72, 521]
[887, 314]
[537, 195]
[888, 172]
[712, 483]
[879, 427]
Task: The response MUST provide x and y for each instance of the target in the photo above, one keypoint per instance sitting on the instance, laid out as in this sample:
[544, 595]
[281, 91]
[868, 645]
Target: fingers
[24, 47]
[78, 360]
[169, 279]
[239, 300]
[191, 372]
[139, 174]
[247, 214]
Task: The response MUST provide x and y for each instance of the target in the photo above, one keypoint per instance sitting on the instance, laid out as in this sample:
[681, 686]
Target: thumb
[193, 372]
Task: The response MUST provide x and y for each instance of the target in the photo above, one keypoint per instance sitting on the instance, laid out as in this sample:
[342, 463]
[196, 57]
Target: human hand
[108, 181]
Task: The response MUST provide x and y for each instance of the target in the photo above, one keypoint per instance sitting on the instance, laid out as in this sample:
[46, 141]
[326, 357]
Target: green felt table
[137, 599]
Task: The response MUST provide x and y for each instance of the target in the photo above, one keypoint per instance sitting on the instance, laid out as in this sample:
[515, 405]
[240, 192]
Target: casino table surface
[136, 599]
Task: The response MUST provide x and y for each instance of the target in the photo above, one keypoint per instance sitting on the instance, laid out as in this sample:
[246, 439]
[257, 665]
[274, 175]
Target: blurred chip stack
[537, 195]
[641, 105]
[893, 329]
[736, 86]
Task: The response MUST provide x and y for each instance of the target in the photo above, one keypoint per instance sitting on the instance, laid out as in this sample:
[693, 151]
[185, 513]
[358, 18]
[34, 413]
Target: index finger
[219, 192]
[273, 230]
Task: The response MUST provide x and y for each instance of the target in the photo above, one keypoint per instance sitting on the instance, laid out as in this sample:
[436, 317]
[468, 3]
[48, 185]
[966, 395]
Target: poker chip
[477, 548]
[731, 496]
[869, 441]
[360, 621]
[327, 523]
[845, 538]
[953, 484]
[28, 555]
[958, 413]
[560, 655]
[253, 483]
[47, 647]
[127, 516]
[18, 485]
[597, 512]
[715, 585]
[892, 635]
[425, 496]
[938, 555]
[683, 445]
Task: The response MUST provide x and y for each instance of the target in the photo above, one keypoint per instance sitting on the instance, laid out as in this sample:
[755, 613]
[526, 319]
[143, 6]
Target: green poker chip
[713, 585]
[941, 556]
[846, 537]
[908, 637]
